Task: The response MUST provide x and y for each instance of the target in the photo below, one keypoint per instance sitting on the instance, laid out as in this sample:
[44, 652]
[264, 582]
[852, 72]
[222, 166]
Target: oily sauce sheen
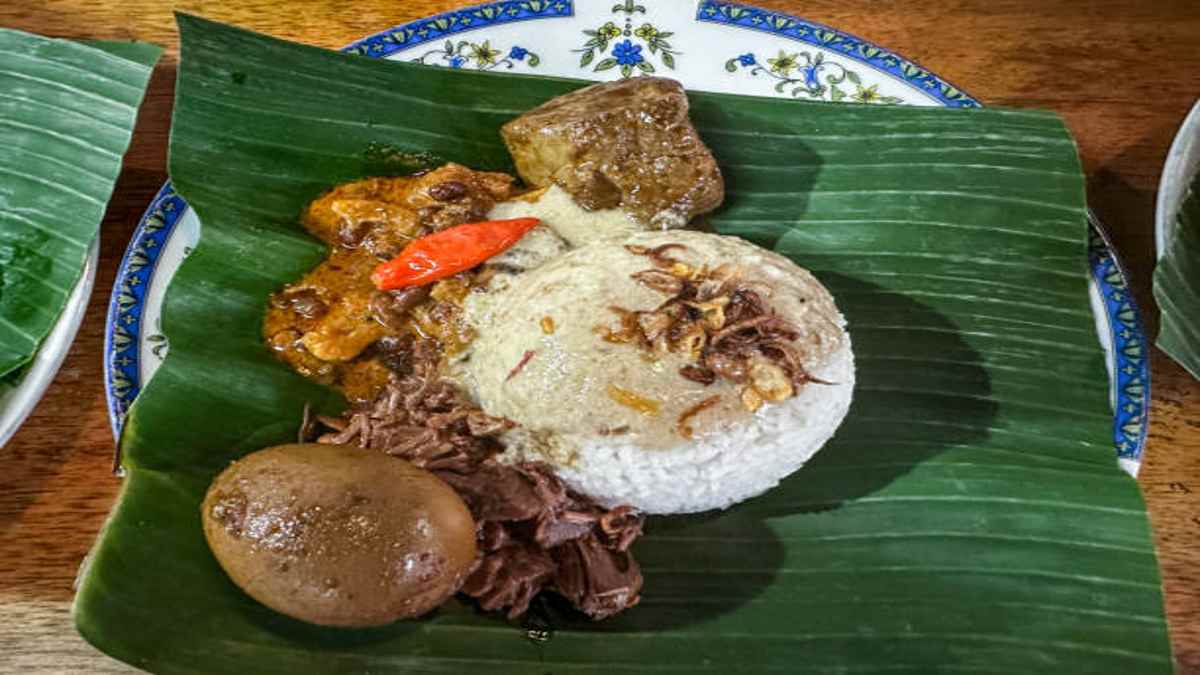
[333, 325]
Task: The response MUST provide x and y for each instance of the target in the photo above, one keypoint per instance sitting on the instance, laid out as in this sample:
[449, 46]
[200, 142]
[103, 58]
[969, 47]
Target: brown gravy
[332, 325]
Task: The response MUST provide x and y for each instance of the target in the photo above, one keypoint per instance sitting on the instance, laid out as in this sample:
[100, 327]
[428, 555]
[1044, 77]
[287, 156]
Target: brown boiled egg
[338, 535]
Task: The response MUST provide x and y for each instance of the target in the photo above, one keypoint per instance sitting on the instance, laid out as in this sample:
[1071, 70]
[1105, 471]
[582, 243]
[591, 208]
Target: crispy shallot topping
[658, 254]
[700, 374]
[646, 406]
[659, 280]
[719, 320]
[682, 425]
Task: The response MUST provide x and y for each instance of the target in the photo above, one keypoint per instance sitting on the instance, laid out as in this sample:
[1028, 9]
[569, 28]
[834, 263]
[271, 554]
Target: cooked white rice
[563, 397]
[718, 470]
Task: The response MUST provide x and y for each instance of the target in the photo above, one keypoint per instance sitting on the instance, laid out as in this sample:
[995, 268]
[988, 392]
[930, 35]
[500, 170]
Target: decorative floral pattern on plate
[1130, 361]
[160, 344]
[626, 54]
[450, 23]
[827, 38]
[808, 74]
[126, 332]
[481, 55]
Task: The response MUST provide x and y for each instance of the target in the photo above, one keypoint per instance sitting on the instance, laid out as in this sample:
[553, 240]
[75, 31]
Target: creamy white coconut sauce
[565, 226]
[540, 358]
[574, 224]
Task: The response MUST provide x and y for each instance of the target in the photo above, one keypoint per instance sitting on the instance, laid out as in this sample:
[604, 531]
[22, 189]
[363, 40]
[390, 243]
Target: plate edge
[122, 381]
[74, 316]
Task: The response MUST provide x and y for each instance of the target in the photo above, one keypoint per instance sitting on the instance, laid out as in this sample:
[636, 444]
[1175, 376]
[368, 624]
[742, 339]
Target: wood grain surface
[1122, 72]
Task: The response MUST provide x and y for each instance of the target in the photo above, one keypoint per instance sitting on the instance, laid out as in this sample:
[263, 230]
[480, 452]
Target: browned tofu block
[627, 143]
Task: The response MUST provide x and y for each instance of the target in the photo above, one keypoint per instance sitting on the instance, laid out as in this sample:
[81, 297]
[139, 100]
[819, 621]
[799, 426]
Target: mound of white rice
[718, 470]
[540, 359]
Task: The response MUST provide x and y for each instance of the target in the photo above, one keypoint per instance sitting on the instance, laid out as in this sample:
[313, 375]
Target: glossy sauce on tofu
[333, 325]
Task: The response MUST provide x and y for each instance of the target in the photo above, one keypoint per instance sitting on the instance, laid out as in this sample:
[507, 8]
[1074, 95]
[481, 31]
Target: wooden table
[1122, 72]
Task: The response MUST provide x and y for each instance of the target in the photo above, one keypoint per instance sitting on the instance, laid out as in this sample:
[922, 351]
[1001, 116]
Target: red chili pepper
[446, 253]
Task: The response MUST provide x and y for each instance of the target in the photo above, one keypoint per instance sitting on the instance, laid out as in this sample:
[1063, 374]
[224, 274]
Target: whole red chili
[446, 253]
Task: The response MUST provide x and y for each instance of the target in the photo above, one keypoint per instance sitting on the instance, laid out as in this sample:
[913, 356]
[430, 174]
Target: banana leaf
[66, 112]
[968, 516]
[1177, 286]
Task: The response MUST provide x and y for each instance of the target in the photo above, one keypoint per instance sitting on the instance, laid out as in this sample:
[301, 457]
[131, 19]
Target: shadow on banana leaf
[891, 429]
[903, 348]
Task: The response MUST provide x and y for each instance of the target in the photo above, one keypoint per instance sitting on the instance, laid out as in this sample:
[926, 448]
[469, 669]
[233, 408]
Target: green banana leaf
[66, 116]
[1177, 286]
[969, 515]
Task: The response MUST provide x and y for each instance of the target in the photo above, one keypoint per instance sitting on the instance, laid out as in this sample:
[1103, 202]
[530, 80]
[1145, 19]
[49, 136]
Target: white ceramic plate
[707, 45]
[17, 402]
